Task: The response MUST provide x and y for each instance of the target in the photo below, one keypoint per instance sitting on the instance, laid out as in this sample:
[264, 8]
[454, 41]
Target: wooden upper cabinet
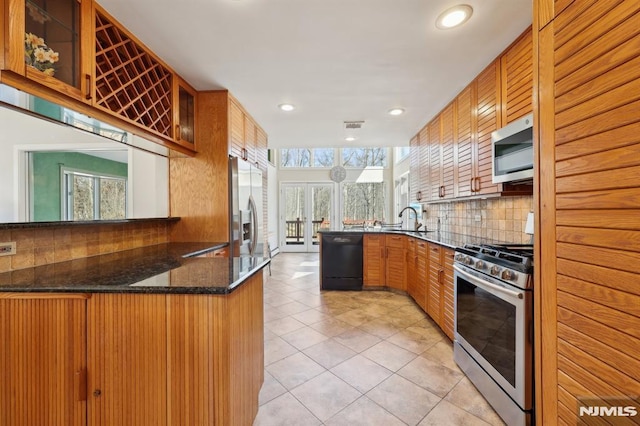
[75, 48]
[465, 169]
[516, 72]
[43, 361]
[50, 42]
[130, 81]
[414, 169]
[246, 138]
[425, 166]
[435, 160]
[488, 116]
[184, 113]
[448, 163]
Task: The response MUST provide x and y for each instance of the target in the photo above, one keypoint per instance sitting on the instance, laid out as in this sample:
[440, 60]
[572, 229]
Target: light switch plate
[8, 248]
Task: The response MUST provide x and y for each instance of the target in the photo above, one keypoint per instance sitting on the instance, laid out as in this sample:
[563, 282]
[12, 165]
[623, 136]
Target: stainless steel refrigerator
[247, 236]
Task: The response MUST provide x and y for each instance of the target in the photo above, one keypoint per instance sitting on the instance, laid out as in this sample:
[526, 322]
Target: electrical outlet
[8, 249]
[477, 218]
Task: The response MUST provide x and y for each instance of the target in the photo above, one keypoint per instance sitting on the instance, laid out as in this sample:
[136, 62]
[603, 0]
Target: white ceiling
[336, 60]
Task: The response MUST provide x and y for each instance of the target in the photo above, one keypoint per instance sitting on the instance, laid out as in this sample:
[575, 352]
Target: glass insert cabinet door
[57, 44]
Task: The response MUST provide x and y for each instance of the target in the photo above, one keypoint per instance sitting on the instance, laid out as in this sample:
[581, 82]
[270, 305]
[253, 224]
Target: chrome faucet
[418, 225]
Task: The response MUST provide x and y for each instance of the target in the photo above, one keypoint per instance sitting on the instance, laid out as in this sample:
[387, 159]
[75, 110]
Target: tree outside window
[303, 157]
[364, 157]
[363, 202]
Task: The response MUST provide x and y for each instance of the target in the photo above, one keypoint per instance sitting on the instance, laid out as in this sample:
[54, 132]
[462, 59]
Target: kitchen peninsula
[162, 334]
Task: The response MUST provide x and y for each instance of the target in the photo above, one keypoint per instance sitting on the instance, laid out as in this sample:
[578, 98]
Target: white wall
[272, 206]
[21, 133]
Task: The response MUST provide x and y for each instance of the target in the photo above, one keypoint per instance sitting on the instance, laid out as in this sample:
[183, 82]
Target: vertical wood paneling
[236, 129]
[190, 388]
[127, 353]
[589, 193]
[43, 359]
[199, 186]
[412, 265]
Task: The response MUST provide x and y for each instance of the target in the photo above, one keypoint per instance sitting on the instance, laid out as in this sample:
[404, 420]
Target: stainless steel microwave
[512, 151]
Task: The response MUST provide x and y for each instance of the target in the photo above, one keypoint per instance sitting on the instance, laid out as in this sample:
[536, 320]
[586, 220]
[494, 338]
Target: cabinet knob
[97, 393]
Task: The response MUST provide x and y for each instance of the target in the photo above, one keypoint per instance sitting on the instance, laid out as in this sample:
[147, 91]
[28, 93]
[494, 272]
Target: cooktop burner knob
[495, 270]
[480, 264]
[508, 275]
[468, 260]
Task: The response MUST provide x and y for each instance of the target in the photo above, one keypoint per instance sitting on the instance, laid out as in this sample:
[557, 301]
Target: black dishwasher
[341, 261]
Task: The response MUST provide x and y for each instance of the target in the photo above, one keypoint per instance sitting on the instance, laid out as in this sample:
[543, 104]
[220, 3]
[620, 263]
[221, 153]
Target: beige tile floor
[356, 358]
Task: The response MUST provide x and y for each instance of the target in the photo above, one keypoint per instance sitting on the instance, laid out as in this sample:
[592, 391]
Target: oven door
[493, 324]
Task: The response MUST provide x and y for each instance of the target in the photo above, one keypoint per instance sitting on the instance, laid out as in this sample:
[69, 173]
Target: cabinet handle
[395, 238]
[87, 79]
[471, 184]
[81, 385]
[243, 154]
[477, 188]
[442, 191]
[419, 195]
[178, 133]
[441, 276]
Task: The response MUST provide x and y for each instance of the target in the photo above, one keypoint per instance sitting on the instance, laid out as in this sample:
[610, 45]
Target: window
[323, 157]
[304, 157]
[363, 202]
[364, 157]
[93, 197]
[402, 152]
[295, 157]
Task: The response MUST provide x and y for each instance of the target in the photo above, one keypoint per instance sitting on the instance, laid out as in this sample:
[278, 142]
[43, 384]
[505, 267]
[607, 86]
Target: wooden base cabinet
[132, 359]
[43, 361]
[385, 261]
[440, 288]
[373, 261]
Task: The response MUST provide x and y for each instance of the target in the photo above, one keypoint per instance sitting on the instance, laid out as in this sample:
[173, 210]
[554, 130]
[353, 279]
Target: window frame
[66, 187]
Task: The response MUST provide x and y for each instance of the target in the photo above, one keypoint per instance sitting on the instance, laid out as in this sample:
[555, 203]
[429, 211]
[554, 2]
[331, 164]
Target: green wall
[46, 171]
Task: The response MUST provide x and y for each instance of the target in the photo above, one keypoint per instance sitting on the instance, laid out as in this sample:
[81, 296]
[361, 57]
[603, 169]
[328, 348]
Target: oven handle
[486, 283]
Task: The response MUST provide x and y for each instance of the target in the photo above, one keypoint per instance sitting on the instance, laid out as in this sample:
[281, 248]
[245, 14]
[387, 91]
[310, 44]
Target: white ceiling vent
[353, 125]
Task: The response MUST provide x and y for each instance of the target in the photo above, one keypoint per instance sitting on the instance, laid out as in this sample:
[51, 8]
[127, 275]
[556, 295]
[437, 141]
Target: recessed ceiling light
[350, 138]
[457, 15]
[286, 107]
[396, 111]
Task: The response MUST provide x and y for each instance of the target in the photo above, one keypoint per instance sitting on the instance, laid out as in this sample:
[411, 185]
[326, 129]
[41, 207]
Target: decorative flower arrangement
[38, 55]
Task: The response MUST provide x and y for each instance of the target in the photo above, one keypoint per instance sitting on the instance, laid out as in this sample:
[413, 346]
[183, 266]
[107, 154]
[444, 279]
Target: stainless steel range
[494, 325]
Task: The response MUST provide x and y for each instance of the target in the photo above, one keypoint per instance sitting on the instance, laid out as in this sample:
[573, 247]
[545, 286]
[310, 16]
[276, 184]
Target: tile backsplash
[501, 219]
[40, 246]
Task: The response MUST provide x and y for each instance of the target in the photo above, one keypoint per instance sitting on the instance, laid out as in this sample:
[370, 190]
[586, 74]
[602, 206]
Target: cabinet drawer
[435, 254]
[396, 241]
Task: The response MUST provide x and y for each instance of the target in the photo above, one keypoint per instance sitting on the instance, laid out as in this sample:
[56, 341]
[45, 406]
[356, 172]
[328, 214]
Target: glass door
[304, 209]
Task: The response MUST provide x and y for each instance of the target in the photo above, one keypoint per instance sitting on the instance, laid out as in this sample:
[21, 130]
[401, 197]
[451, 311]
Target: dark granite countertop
[32, 225]
[180, 268]
[448, 239]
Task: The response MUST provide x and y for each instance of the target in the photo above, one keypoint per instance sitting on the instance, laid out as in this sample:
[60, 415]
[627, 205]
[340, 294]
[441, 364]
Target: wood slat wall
[425, 169]
[447, 150]
[435, 159]
[590, 113]
[414, 161]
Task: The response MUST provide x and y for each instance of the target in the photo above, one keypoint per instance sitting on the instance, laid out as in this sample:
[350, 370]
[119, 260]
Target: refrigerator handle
[254, 225]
